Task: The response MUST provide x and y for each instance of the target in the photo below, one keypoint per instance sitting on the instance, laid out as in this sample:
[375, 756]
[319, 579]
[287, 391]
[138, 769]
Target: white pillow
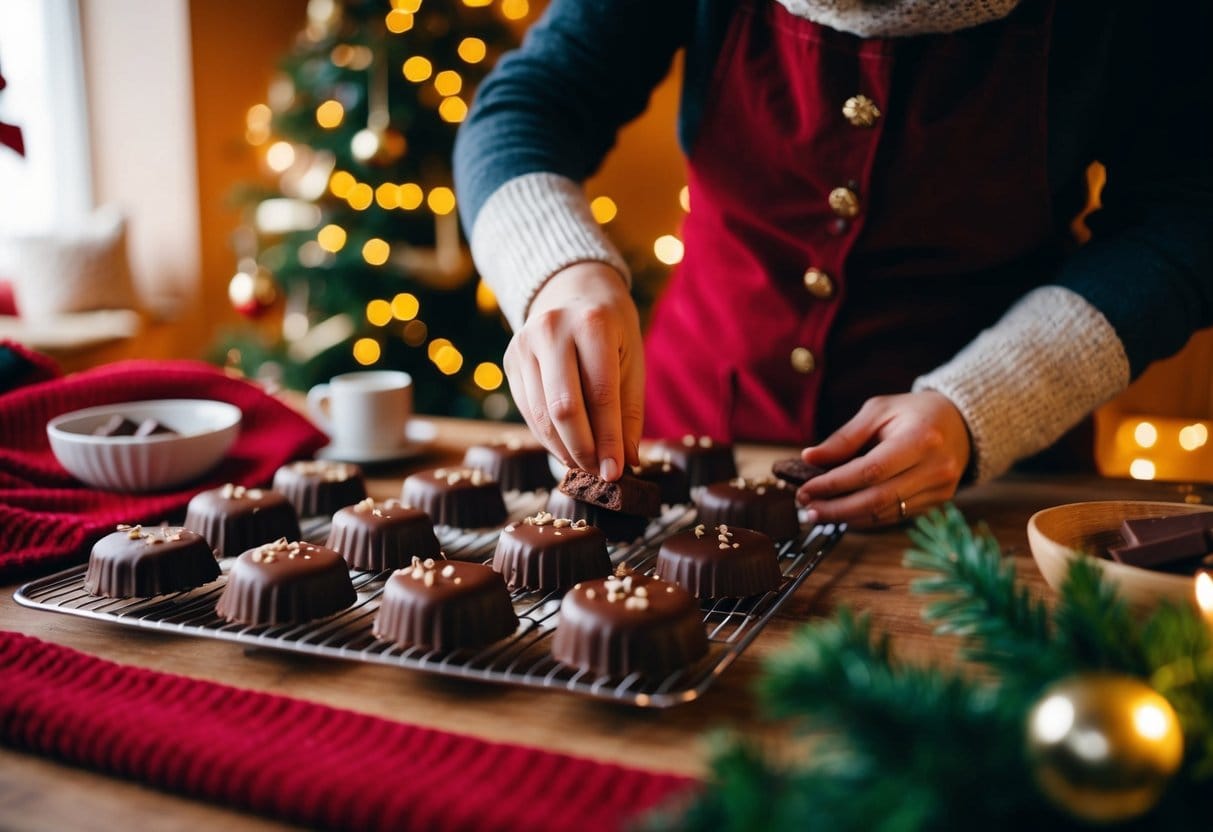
[75, 269]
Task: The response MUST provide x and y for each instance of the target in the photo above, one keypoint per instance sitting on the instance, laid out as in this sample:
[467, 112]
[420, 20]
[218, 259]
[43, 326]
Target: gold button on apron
[844, 202]
[818, 283]
[861, 111]
[803, 360]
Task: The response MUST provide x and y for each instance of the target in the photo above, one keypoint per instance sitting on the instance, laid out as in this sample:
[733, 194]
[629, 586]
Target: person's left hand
[898, 456]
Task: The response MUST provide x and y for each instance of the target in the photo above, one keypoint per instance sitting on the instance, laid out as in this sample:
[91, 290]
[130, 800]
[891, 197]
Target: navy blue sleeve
[1149, 265]
[555, 105]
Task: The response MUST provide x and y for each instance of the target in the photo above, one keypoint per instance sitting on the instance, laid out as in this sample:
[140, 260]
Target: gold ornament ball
[1103, 746]
[378, 146]
[252, 291]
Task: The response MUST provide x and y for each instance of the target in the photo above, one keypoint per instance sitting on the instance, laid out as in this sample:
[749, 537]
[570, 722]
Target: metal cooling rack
[522, 660]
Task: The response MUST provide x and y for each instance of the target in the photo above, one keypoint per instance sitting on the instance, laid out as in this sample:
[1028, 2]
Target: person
[878, 257]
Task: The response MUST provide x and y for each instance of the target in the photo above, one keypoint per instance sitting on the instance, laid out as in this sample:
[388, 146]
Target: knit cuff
[530, 228]
[1022, 383]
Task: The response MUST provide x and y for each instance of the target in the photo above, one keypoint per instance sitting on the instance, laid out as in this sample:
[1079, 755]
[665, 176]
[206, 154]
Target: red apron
[831, 255]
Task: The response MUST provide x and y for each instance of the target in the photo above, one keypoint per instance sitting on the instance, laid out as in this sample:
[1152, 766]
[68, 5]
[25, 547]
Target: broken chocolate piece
[117, 425]
[150, 427]
[795, 471]
[628, 494]
[1148, 529]
[1162, 551]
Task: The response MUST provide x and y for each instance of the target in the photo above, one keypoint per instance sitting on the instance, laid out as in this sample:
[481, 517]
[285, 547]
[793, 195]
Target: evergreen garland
[891, 747]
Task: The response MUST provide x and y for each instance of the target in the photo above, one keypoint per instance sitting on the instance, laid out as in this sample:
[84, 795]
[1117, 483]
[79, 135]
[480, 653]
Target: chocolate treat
[1147, 529]
[516, 465]
[320, 487]
[117, 425]
[1175, 543]
[617, 526]
[631, 624]
[766, 505]
[233, 518]
[377, 536]
[548, 552]
[720, 562]
[139, 562]
[704, 460]
[671, 480]
[283, 582]
[1165, 551]
[445, 605]
[150, 427]
[461, 497]
[627, 494]
[795, 471]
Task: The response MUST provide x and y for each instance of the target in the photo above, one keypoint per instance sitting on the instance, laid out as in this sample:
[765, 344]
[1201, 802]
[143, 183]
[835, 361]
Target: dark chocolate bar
[1147, 529]
[1162, 551]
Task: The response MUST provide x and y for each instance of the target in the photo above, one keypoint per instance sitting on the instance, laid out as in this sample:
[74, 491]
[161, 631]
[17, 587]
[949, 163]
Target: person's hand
[898, 456]
[576, 369]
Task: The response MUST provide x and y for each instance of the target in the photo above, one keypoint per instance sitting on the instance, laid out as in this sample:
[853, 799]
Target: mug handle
[317, 406]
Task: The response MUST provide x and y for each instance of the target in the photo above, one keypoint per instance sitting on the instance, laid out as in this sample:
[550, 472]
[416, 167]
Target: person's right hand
[576, 369]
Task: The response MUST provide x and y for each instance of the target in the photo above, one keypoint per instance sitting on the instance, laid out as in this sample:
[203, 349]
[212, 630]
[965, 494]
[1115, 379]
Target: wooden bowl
[1058, 534]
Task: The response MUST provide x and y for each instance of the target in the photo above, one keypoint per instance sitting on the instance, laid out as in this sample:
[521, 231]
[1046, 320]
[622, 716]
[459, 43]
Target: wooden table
[863, 571]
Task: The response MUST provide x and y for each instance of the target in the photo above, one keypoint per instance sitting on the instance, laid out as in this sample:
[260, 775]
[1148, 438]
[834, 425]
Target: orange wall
[236, 46]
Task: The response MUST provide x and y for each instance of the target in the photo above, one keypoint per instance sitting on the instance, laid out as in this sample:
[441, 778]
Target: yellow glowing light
[331, 238]
[415, 333]
[515, 9]
[410, 196]
[360, 196]
[387, 196]
[441, 200]
[486, 301]
[448, 82]
[1141, 469]
[405, 306]
[1053, 718]
[257, 124]
[410, 6]
[342, 54]
[379, 312]
[1151, 721]
[366, 351]
[448, 360]
[488, 376]
[472, 50]
[375, 251]
[330, 114]
[453, 109]
[341, 182]
[417, 69]
[1145, 434]
[668, 249]
[604, 209]
[259, 115]
[684, 198]
[476, 4]
[398, 21]
[436, 345]
[1204, 591]
[280, 156]
[1193, 436]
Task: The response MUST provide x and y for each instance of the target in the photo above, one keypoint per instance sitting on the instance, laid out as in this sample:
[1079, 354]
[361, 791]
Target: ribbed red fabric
[48, 519]
[298, 761]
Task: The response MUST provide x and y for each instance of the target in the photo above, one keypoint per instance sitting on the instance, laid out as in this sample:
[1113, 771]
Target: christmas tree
[357, 248]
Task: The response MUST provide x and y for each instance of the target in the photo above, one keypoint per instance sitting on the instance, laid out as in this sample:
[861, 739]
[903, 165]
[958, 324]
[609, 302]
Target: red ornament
[252, 292]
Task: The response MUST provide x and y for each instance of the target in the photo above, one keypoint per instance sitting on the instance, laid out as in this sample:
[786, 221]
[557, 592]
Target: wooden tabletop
[864, 571]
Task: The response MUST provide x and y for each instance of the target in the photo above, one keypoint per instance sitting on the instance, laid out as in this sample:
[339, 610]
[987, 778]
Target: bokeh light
[367, 351]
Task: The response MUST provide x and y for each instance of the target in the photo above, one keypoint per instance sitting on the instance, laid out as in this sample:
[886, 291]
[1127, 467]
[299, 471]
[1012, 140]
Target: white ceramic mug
[364, 412]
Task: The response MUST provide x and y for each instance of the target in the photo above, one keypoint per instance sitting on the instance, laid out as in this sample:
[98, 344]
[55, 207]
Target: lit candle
[1204, 595]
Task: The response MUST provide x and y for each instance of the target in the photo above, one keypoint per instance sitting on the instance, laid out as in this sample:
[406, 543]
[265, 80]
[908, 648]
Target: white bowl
[1058, 535]
[205, 430]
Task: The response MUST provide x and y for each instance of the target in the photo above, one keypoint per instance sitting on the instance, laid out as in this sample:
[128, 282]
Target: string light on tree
[378, 312]
[488, 376]
[376, 251]
[471, 50]
[668, 249]
[367, 351]
[280, 156]
[405, 306]
[410, 196]
[252, 290]
[603, 209]
[331, 238]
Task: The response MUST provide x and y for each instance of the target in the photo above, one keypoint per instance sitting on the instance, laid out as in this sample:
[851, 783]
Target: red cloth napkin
[298, 761]
[48, 519]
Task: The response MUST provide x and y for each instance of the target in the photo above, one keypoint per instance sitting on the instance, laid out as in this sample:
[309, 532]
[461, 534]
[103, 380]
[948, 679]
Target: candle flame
[1204, 592]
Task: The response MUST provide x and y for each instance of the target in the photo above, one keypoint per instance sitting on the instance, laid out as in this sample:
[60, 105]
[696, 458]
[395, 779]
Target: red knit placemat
[49, 519]
[299, 761]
